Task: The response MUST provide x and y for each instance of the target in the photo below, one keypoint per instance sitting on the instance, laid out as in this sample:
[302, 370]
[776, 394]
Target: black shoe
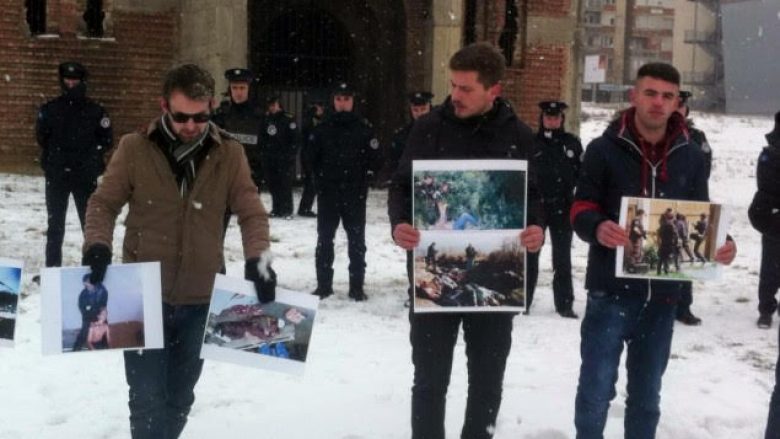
[37, 280]
[323, 292]
[307, 214]
[357, 294]
[568, 314]
[764, 321]
[689, 319]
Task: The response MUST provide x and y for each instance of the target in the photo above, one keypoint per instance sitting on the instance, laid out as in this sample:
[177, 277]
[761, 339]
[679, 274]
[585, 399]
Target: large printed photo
[10, 285]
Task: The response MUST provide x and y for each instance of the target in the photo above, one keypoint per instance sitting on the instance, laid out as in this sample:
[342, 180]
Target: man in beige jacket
[178, 178]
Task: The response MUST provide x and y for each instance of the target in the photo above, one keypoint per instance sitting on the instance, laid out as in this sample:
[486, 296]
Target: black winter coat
[344, 151]
[557, 160]
[764, 211]
[74, 133]
[243, 123]
[611, 169]
[498, 134]
[279, 136]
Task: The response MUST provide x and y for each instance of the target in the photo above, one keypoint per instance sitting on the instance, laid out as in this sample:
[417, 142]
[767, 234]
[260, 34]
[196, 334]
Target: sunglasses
[184, 117]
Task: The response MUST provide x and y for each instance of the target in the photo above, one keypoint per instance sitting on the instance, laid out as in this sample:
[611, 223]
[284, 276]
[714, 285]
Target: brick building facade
[385, 47]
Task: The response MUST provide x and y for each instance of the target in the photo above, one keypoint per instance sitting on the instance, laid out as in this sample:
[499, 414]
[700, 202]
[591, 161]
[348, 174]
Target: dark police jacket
[279, 136]
[611, 169]
[557, 160]
[74, 133]
[698, 137]
[764, 211]
[344, 150]
[243, 122]
[397, 147]
[497, 134]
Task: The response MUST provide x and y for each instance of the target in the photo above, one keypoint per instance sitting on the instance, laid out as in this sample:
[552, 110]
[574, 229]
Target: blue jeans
[773, 423]
[646, 328]
[162, 380]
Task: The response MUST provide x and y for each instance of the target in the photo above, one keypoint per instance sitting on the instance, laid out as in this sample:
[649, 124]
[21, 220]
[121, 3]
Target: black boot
[323, 291]
[356, 292]
[764, 321]
[687, 318]
[568, 313]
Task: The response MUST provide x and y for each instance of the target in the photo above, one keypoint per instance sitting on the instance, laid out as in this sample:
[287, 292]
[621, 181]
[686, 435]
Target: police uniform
[398, 142]
[344, 151]
[279, 143]
[557, 163]
[243, 122]
[310, 121]
[74, 134]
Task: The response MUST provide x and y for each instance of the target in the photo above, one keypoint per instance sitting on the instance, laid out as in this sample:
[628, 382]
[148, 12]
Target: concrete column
[447, 32]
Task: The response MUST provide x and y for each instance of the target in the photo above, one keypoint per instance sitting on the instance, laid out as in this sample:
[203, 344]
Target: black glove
[97, 256]
[265, 285]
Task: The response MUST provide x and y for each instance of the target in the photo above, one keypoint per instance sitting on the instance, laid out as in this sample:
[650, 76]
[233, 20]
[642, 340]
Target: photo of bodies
[10, 283]
[122, 312]
[274, 335]
[670, 239]
[470, 214]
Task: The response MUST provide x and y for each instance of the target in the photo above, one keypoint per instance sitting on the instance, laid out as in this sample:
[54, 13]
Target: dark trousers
[773, 422]
[488, 340]
[162, 380]
[563, 292]
[645, 328]
[696, 245]
[58, 190]
[769, 278]
[338, 203]
[686, 300]
[309, 192]
[279, 174]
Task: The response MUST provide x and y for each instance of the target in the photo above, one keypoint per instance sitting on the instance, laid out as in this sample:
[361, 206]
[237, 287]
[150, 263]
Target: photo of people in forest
[670, 239]
[273, 335]
[470, 272]
[469, 199]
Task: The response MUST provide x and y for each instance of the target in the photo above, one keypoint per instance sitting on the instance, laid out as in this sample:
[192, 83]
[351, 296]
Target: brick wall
[125, 70]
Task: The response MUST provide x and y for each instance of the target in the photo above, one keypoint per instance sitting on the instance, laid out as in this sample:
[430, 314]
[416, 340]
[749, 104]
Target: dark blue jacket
[764, 211]
[611, 169]
[344, 151]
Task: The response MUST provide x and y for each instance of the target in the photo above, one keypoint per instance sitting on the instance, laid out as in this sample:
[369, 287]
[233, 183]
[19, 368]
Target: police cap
[684, 96]
[73, 70]
[420, 98]
[553, 108]
[343, 89]
[238, 74]
[273, 97]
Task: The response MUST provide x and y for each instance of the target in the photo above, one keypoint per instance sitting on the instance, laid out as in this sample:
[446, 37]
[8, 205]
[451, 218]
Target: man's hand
[725, 254]
[406, 236]
[611, 235]
[260, 273]
[532, 238]
[97, 257]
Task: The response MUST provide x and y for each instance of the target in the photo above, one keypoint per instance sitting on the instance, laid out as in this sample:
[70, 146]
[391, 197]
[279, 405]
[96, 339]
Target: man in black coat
[74, 134]
[419, 105]
[764, 217]
[557, 162]
[242, 120]
[473, 123]
[345, 154]
[313, 116]
[279, 143]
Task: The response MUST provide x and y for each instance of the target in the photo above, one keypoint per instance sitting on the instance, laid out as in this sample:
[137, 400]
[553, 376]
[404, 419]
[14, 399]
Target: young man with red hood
[645, 153]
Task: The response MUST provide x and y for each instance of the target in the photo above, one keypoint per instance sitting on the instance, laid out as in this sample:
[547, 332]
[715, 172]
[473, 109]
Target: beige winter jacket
[185, 235]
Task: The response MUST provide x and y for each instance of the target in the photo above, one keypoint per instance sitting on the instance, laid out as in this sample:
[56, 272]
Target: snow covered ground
[357, 383]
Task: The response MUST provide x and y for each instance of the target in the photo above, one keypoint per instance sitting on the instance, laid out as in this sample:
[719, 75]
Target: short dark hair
[659, 70]
[191, 80]
[483, 58]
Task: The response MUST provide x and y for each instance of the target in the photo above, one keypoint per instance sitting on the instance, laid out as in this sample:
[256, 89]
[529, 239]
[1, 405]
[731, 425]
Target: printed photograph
[469, 272]
[113, 314]
[273, 336]
[670, 239]
[469, 194]
[10, 284]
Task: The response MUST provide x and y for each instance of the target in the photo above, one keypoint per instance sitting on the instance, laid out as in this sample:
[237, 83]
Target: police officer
[313, 116]
[239, 117]
[419, 105]
[344, 154]
[279, 143]
[684, 314]
[557, 162]
[74, 133]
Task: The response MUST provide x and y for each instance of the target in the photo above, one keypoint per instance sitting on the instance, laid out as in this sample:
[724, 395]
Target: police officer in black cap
[557, 162]
[74, 133]
[684, 314]
[314, 115]
[419, 105]
[345, 153]
[279, 143]
[242, 120]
